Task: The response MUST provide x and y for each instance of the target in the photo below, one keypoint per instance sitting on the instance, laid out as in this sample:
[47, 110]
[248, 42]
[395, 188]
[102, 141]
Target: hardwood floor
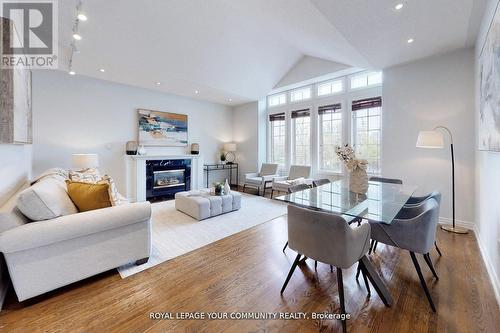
[245, 272]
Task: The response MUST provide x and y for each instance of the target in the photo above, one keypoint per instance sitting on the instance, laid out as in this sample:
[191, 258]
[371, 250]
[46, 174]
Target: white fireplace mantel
[136, 173]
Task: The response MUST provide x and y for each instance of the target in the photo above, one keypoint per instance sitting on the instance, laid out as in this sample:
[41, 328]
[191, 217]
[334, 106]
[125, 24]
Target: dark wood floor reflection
[245, 272]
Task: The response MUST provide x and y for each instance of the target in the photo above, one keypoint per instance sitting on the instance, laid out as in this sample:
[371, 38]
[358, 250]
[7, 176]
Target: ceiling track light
[80, 13]
[411, 40]
[81, 17]
[399, 6]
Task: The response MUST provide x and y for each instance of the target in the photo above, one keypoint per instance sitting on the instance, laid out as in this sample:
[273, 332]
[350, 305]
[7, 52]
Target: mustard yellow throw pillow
[87, 196]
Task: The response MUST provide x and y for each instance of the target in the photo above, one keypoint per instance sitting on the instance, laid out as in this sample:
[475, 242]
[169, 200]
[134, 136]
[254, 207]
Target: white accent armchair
[299, 174]
[261, 180]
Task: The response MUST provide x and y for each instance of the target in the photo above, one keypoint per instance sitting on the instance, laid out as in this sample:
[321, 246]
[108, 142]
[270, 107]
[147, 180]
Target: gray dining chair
[417, 201]
[373, 245]
[292, 189]
[415, 231]
[319, 182]
[328, 238]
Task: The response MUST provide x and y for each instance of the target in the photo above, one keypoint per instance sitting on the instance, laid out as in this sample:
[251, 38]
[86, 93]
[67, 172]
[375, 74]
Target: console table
[219, 166]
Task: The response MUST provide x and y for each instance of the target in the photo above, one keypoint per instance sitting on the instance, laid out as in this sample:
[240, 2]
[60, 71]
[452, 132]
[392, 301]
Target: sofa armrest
[280, 178]
[270, 178]
[37, 234]
[253, 174]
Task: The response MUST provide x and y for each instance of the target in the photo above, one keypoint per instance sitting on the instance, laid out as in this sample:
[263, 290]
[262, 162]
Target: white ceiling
[240, 49]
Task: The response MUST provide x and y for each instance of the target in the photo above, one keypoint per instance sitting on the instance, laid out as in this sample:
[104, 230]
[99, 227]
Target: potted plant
[219, 188]
[223, 157]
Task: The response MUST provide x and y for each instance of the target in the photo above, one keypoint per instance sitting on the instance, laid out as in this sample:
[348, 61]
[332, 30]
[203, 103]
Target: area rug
[175, 233]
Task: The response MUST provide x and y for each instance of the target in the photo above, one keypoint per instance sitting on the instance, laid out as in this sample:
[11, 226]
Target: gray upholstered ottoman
[201, 204]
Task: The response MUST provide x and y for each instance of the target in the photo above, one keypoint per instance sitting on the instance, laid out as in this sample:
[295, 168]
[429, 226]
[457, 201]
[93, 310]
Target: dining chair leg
[244, 186]
[272, 192]
[358, 270]
[331, 269]
[422, 280]
[375, 246]
[428, 260]
[437, 249]
[294, 265]
[284, 247]
[367, 285]
[371, 246]
[340, 285]
[315, 265]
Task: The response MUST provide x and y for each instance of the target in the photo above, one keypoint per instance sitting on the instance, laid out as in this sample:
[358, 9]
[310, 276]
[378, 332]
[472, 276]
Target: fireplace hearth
[164, 178]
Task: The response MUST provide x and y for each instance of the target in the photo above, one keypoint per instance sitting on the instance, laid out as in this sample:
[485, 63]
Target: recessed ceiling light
[411, 40]
[77, 36]
[71, 72]
[196, 92]
[399, 6]
[82, 17]
[158, 83]
[230, 100]
[102, 70]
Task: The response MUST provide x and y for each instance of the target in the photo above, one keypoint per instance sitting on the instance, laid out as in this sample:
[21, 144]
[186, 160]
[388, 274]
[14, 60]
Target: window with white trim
[300, 94]
[301, 137]
[366, 131]
[278, 138]
[330, 88]
[276, 100]
[330, 136]
[366, 80]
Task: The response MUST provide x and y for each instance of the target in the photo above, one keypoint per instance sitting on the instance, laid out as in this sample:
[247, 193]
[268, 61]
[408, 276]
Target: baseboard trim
[458, 223]
[495, 281]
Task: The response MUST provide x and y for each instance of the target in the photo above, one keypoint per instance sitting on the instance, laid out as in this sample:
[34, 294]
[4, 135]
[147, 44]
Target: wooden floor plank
[245, 272]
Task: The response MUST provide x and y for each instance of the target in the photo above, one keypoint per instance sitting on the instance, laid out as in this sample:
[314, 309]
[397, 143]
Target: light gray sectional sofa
[67, 246]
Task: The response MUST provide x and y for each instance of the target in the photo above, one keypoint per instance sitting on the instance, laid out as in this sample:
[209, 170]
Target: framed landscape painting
[489, 80]
[158, 128]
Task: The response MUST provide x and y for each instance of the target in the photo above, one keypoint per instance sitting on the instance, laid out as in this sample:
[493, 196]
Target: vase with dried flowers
[358, 178]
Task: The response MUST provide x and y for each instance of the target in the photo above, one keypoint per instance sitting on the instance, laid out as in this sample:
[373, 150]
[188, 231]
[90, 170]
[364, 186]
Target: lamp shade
[230, 146]
[85, 161]
[430, 139]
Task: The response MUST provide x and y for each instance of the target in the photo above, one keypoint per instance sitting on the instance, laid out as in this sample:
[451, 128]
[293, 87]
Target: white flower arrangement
[347, 155]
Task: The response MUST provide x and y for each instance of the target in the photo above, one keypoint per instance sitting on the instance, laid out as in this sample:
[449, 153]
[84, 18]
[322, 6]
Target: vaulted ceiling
[239, 50]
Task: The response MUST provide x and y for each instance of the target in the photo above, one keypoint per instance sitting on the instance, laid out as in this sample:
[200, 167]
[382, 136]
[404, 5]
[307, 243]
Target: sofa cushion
[87, 196]
[45, 200]
[88, 176]
[114, 196]
[57, 173]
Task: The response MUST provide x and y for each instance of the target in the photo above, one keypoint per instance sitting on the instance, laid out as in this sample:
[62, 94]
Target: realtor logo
[29, 34]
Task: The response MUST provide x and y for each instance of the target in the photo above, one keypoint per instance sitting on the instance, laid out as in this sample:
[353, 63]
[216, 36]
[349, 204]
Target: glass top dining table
[381, 203]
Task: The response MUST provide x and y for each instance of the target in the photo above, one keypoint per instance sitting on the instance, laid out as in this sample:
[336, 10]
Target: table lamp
[434, 139]
[85, 161]
[230, 148]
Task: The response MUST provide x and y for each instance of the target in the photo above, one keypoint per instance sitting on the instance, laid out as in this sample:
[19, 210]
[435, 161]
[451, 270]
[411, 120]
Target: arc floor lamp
[434, 139]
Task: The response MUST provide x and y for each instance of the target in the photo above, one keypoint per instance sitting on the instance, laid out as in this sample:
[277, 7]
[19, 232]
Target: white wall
[308, 68]
[15, 169]
[487, 181]
[83, 115]
[419, 96]
[245, 135]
